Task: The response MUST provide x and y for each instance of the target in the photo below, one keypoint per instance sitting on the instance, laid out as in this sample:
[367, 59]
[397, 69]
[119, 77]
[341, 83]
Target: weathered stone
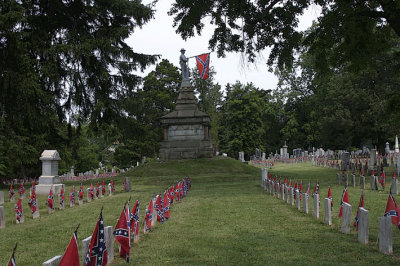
[372, 159]
[49, 178]
[109, 239]
[328, 211]
[282, 191]
[186, 129]
[316, 206]
[109, 189]
[372, 183]
[362, 182]
[89, 199]
[55, 261]
[298, 201]
[1, 197]
[263, 176]
[385, 234]
[36, 214]
[346, 218]
[338, 178]
[305, 202]
[353, 180]
[85, 246]
[286, 194]
[395, 186]
[2, 218]
[127, 184]
[363, 225]
[291, 195]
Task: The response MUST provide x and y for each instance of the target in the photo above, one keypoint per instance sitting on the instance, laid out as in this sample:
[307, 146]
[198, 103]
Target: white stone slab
[305, 202]
[85, 246]
[346, 218]
[298, 201]
[55, 261]
[385, 234]
[363, 225]
[328, 211]
[2, 218]
[316, 206]
[109, 239]
[1, 197]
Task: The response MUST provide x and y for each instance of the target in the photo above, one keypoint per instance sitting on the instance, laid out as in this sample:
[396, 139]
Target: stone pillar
[49, 178]
[372, 159]
[305, 202]
[55, 261]
[395, 186]
[286, 194]
[385, 235]
[85, 246]
[362, 182]
[346, 218]
[283, 192]
[298, 201]
[353, 180]
[263, 176]
[127, 186]
[291, 195]
[109, 239]
[363, 225]
[1, 197]
[72, 171]
[328, 211]
[372, 183]
[316, 206]
[2, 218]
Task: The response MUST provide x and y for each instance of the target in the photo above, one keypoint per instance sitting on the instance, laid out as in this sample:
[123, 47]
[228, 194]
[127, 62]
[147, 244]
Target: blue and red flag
[393, 210]
[345, 198]
[134, 219]
[330, 197]
[203, 64]
[382, 179]
[122, 233]
[71, 255]
[11, 192]
[361, 204]
[97, 251]
[18, 210]
[50, 199]
[149, 217]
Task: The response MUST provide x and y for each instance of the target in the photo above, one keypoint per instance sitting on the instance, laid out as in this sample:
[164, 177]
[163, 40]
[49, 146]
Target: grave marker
[291, 196]
[338, 178]
[1, 197]
[305, 202]
[328, 211]
[395, 186]
[127, 184]
[298, 201]
[286, 194]
[2, 218]
[353, 179]
[89, 198]
[346, 218]
[282, 191]
[316, 206]
[362, 182]
[109, 239]
[55, 261]
[85, 246]
[363, 224]
[385, 235]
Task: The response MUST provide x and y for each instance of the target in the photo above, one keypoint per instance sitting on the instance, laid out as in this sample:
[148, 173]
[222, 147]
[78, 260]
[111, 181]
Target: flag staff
[12, 255]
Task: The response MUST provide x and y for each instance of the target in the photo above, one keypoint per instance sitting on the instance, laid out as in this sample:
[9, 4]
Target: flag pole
[12, 255]
[76, 229]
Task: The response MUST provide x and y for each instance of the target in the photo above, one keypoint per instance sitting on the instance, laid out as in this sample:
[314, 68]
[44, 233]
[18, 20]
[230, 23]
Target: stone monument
[49, 177]
[186, 129]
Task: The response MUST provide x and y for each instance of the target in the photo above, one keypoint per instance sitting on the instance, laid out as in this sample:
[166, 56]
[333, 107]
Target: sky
[159, 37]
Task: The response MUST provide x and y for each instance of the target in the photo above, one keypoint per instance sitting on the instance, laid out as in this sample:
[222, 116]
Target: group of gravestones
[289, 195]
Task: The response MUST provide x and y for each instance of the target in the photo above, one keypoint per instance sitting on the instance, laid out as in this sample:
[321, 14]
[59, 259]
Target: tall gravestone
[385, 234]
[186, 129]
[345, 160]
[363, 225]
[49, 178]
[328, 211]
[372, 160]
[2, 218]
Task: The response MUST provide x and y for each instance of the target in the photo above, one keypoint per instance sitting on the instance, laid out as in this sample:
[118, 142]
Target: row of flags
[392, 208]
[127, 227]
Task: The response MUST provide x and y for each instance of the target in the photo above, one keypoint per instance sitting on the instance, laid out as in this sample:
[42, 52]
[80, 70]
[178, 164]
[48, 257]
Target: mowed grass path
[226, 219]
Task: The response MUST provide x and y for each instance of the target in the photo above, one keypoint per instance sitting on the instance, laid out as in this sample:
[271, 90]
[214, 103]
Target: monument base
[45, 189]
[176, 150]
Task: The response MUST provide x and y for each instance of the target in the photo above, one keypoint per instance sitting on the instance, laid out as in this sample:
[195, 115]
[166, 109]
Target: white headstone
[291, 195]
[55, 261]
[385, 234]
[316, 206]
[305, 202]
[328, 211]
[395, 186]
[362, 182]
[298, 201]
[263, 176]
[85, 246]
[396, 145]
[109, 239]
[346, 218]
[363, 225]
[109, 189]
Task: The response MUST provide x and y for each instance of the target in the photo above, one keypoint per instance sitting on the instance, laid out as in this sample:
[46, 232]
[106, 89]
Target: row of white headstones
[288, 195]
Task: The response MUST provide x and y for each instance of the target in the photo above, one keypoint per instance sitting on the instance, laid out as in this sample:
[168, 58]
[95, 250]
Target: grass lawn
[227, 218]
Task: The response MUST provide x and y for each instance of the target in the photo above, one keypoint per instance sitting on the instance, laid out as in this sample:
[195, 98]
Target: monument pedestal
[186, 129]
[49, 178]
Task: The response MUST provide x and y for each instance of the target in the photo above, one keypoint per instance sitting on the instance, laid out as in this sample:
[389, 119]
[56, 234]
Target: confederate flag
[134, 219]
[166, 206]
[361, 204]
[18, 209]
[203, 64]
[50, 200]
[393, 210]
[80, 195]
[382, 179]
[72, 195]
[32, 201]
[159, 208]
[103, 188]
[62, 197]
[345, 198]
[97, 251]
[149, 217]
[21, 189]
[71, 255]
[122, 234]
[11, 192]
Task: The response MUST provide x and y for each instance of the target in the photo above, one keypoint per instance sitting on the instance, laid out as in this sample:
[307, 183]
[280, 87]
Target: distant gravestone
[282, 192]
[2, 218]
[328, 211]
[109, 189]
[1, 197]
[286, 194]
[305, 202]
[385, 234]
[89, 198]
[363, 225]
[263, 176]
[127, 184]
[353, 180]
[395, 186]
[298, 201]
[345, 160]
[346, 218]
[338, 178]
[372, 159]
[362, 182]
[373, 183]
[291, 195]
[316, 206]
[55, 261]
